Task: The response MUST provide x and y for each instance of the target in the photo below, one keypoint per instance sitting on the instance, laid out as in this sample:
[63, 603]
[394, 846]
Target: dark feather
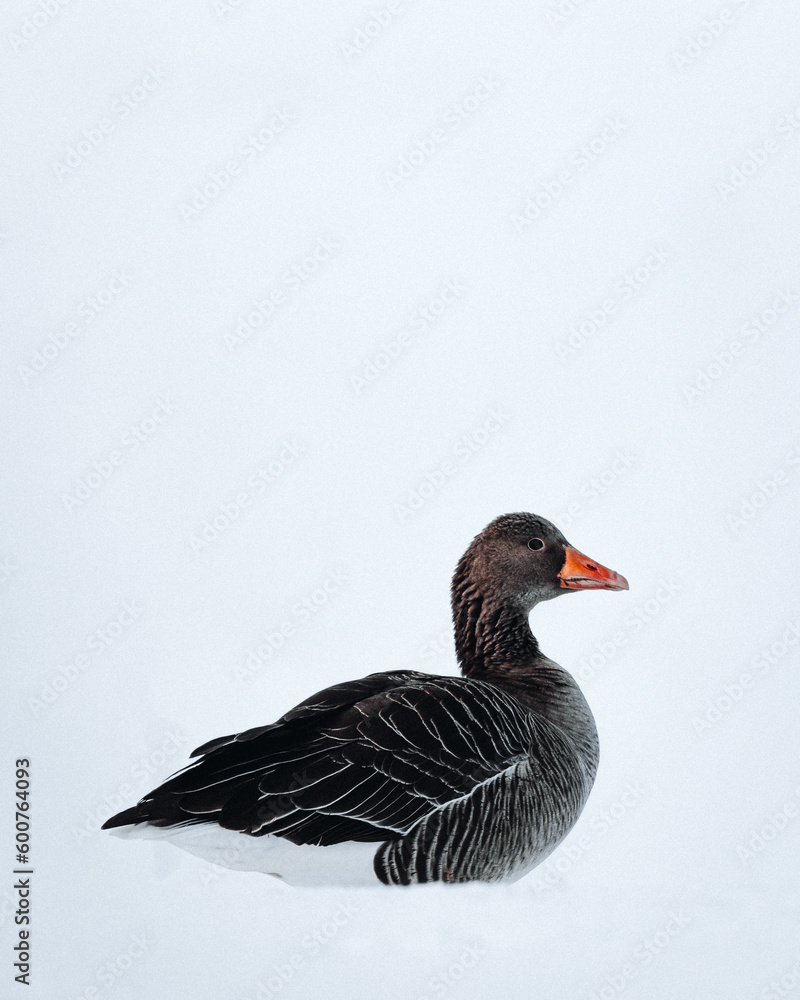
[363, 761]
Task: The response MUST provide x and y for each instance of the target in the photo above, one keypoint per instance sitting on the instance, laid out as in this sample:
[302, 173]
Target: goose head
[522, 559]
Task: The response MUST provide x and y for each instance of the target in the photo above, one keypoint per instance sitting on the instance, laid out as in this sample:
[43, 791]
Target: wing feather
[369, 760]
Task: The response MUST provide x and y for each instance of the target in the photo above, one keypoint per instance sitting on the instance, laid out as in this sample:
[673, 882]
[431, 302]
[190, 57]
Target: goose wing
[368, 760]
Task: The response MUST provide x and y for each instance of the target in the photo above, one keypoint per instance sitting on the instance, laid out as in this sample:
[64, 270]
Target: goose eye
[535, 544]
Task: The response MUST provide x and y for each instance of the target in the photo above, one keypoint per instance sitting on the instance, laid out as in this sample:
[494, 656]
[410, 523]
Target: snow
[348, 281]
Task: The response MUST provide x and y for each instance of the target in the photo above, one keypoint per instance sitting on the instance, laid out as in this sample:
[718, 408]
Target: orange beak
[581, 573]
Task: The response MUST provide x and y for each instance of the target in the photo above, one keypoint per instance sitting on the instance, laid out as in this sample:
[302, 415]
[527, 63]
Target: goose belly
[345, 864]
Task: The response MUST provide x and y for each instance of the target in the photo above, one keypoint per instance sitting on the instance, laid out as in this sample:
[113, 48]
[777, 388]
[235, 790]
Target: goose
[403, 777]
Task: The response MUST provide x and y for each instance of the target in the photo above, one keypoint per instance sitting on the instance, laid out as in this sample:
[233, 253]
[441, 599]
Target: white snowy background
[297, 298]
